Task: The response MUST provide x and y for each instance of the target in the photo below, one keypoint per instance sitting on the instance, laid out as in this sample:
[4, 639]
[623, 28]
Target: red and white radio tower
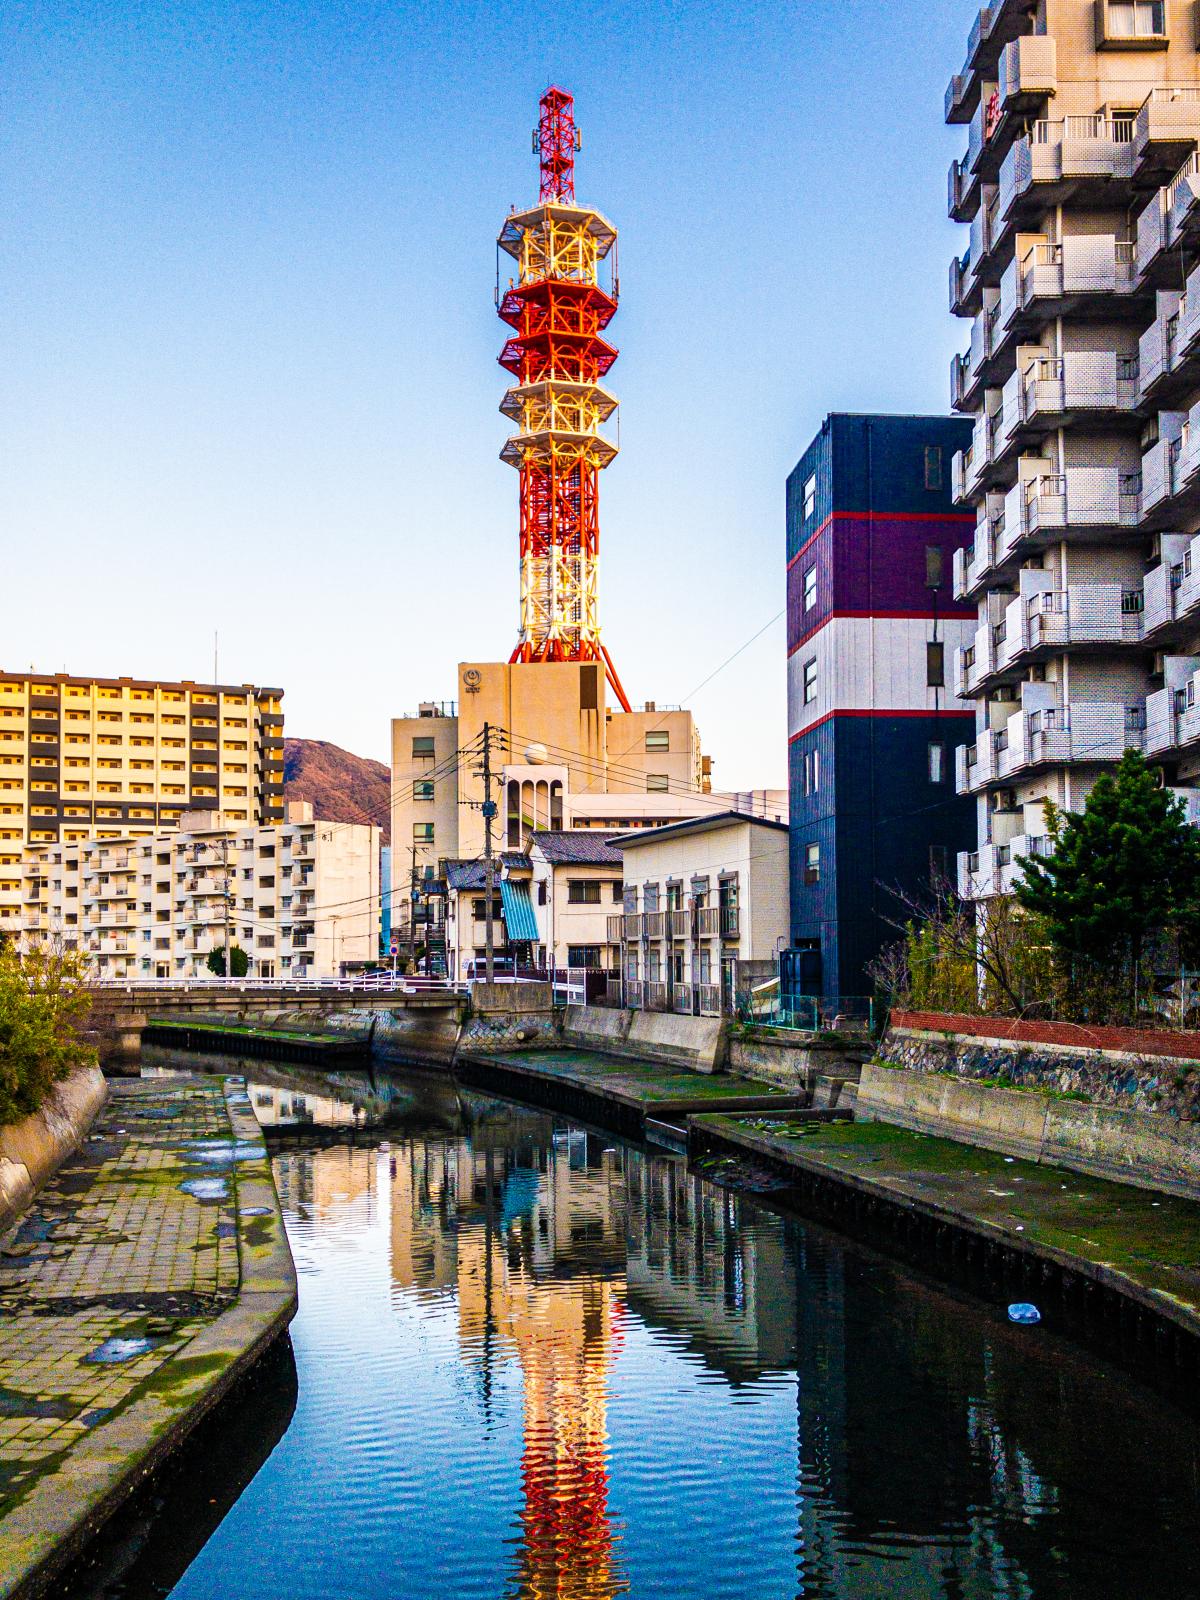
[558, 311]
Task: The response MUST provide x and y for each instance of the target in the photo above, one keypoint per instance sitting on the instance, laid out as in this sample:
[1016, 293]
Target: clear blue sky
[248, 371]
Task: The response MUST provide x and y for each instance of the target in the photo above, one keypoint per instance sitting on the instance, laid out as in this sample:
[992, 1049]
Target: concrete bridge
[411, 1017]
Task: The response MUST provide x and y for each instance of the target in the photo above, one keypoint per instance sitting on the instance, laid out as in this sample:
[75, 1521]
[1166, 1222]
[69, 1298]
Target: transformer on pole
[558, 310]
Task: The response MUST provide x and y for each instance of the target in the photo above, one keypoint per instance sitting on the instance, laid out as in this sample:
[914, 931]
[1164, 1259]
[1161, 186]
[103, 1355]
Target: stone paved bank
[150, 1272]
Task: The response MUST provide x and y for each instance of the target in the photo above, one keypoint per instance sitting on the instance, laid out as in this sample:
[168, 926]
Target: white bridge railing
[369, 983]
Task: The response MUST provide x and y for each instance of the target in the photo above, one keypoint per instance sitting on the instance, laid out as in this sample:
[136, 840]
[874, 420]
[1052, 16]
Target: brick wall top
[1073, 1035]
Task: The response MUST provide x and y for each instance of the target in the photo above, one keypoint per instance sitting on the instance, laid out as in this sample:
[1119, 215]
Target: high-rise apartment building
[873, 725]
[1081, 187]
[301, 898]
[83, 757]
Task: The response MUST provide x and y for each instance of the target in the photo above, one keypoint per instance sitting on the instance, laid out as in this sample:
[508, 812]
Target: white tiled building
[303, 897]
[1081, 186]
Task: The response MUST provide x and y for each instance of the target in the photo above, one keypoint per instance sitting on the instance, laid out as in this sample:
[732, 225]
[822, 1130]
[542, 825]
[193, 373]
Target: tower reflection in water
[544, 1244]
[903, 1440]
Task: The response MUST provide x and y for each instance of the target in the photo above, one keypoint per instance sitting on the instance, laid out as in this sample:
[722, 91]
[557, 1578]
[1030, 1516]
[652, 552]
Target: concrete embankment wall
[33, 1149]
[1104, 1101]
[794, 1060]
[698, 1044]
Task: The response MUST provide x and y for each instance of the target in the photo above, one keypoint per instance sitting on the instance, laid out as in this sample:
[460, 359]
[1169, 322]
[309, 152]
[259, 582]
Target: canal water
[533, 1361]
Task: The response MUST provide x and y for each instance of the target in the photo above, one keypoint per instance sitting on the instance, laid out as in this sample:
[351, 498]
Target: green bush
[238, 960]
[44, 1003]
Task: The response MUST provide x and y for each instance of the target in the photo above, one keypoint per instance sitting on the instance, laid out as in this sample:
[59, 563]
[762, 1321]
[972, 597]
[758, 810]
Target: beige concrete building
[113, 757]
[565, 760]
[1080, 185]
[699, 897]
[558, 748]
[302, 896]
[576, 884]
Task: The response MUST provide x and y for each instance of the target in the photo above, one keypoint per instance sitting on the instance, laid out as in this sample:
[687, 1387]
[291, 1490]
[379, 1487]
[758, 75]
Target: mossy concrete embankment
[34, 1148]
[1114, 1102]
[148, 1275]
[1096, 1256]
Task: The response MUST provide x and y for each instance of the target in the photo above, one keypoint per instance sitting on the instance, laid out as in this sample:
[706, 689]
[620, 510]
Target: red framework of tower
[558, 321]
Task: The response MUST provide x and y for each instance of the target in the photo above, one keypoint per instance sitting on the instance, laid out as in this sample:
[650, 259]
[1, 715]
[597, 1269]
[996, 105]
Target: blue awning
[518, 911]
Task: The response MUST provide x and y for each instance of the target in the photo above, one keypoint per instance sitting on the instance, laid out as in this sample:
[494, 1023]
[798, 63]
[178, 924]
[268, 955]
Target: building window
[810, 680]
[812, 863]
[935, 664]
[933, 466]
[422, 832]
[423, 789]
[1134, 19]
[933, 566]
[618, 893]
[583, 891]
[658, 739]
[812, 771]
[810, 496]
[657, 783]
[810, 588]
[422, 747]
[583, 955]
[937, 763]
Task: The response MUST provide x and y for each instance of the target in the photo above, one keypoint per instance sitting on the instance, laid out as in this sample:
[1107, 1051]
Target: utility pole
[489, 870]
[225, 899]
[413, 896]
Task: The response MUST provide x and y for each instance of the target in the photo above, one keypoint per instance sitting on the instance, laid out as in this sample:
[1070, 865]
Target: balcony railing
[708, 921]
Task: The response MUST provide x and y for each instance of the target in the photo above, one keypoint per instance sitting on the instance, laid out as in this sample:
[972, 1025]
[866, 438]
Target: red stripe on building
[829, 716]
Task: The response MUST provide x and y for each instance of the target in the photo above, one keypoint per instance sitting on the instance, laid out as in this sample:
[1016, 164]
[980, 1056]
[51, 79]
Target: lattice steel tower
[558, 310]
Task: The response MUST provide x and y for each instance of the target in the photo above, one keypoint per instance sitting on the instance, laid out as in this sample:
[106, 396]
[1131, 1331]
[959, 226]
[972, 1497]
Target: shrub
[238, 960]
[44, 1003]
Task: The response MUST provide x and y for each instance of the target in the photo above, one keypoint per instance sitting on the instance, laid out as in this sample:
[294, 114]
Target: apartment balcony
[1169, 223]
[962, 192]
[1080, 617]
[1028, 74]
[616, 929]
[653, 924]
[708, 922]
[1082, 159]
[973, 563]
[1172, 588]
[962, 96]
[994, 27]
[1173, 715]
[680, 924]
[993, 869]
[1085, 733]
[1058, 279]
[964, 288]
[1080, 386]
[1171, 473]
[1165, 130]
[1052, 506]
[631, 924]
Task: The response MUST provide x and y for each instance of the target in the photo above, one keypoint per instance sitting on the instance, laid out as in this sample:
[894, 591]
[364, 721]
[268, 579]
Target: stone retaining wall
[1121, 1067]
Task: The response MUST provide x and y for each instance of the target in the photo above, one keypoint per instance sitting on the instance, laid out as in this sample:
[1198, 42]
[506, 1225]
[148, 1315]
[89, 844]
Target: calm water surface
[532, 1361]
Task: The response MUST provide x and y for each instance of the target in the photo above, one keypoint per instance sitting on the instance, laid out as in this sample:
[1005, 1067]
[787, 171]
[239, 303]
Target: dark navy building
[872, 718]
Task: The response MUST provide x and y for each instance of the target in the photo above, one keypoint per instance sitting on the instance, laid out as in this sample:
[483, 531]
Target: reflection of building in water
[322, 1183]
[276, 1107]
[695, 1268]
